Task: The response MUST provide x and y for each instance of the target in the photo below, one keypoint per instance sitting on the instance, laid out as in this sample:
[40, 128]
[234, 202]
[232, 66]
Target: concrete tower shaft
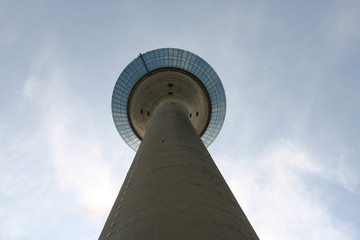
[169, 105]
[173, 189]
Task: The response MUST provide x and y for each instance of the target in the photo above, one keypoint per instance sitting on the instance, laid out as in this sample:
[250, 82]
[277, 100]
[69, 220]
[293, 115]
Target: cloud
[342, 23]
[30, 86]
[74, 148]
[55, 167]
[278, 197]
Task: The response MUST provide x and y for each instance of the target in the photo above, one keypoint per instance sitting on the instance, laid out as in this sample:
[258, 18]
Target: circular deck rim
[156, 59]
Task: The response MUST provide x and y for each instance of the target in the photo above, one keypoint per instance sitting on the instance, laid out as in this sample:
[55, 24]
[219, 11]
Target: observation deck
[162, 74]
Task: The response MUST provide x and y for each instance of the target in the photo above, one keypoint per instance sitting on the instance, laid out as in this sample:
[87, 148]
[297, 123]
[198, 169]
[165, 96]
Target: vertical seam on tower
[143, 61]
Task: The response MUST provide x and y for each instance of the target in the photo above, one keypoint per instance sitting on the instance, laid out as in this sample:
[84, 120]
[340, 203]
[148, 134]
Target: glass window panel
[151, 66]
[186, 66]
[183, 65]
[145, 56]
[152, 55]
[184, 54]
[157, 64]
[193, 68]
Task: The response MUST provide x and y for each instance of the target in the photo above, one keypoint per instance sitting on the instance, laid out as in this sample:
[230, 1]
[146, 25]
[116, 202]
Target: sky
[290, 145]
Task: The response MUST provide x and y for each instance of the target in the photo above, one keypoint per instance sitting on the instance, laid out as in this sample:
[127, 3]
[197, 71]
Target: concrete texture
[173, 190]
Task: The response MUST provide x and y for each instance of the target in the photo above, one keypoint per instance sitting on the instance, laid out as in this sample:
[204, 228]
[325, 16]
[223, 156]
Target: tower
[169, 105]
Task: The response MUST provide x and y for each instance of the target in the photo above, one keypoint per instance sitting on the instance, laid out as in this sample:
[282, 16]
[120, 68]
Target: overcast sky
[290, 145]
